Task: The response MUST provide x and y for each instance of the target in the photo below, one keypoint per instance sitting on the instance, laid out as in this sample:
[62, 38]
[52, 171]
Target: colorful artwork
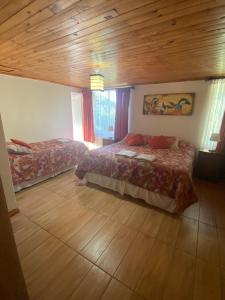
[169, 104]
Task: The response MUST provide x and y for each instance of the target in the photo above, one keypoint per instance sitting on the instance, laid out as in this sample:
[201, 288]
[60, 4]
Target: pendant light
[97, 82]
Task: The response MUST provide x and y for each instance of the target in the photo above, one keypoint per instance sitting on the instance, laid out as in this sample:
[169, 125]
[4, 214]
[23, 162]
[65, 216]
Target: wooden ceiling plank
[168, 37]
[159, 20]
[9, 34]
[123, 49]
[81, 11]
[9, 8]
[60, 5]
[3, 3]
[24, 14]
[68, 39]
[90, 28]
[34, 19]
[166, 26]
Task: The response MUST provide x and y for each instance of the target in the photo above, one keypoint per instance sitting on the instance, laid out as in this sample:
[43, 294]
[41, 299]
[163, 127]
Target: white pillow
[18, 149]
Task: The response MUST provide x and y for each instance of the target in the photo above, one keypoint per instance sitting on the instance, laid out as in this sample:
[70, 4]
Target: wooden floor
[79, 242]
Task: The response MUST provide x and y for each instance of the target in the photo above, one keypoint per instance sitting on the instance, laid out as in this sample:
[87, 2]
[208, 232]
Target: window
[104, 108]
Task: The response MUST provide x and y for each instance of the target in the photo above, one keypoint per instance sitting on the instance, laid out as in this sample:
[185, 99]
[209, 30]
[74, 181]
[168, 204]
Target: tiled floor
[78, 242]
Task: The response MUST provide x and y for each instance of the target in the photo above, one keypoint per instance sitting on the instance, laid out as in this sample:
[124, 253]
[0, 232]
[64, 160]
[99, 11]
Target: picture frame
[177, 104]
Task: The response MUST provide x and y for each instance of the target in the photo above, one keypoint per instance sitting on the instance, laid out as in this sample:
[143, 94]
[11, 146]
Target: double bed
[46, 159]
[165, 182]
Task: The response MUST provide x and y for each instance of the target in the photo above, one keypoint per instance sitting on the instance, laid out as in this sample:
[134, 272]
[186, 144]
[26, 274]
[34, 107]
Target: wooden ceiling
[128, 41]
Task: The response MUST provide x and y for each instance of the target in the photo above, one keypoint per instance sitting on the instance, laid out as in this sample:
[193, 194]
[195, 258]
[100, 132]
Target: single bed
[47, 159]
[165, 182]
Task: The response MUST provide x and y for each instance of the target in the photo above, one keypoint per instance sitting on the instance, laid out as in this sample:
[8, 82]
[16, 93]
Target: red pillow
[21, 143]
[161, 142]
[135, 140]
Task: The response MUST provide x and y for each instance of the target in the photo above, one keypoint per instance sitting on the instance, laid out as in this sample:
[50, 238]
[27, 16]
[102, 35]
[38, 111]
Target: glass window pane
[104, 106]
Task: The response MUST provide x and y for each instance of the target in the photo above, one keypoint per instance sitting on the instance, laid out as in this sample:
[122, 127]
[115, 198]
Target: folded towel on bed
[64, 140]
[126, 153]
[148, 157]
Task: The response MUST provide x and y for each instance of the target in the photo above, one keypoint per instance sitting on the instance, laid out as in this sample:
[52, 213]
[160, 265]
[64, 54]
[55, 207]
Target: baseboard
[13, 212]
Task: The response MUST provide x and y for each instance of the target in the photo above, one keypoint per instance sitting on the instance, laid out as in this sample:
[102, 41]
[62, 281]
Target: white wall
[186, 127]
[5, 172]
[34, 110]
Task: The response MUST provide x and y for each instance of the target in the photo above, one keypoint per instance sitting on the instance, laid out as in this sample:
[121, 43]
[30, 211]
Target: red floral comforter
[47, 157]
[170, 174]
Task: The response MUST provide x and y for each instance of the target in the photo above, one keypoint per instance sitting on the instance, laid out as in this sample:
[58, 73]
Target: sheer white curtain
[215, 111]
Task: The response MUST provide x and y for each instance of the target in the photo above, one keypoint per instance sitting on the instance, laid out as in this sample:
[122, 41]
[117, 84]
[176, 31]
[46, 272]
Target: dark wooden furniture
[107, 142]
[210, 165]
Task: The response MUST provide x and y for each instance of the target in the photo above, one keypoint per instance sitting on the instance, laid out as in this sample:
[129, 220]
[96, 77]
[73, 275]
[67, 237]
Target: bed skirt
[18, 187]
[123, 187]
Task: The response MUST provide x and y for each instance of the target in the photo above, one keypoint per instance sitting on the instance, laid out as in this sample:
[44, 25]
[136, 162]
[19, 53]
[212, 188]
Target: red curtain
[122, 105]
[88, 118]
[221, 145]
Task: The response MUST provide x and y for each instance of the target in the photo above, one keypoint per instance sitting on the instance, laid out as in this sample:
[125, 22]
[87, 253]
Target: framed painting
[169, 104]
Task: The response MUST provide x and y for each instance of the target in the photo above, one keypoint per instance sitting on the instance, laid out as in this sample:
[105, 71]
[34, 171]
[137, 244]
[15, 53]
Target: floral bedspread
[47, 157]
[169, 174]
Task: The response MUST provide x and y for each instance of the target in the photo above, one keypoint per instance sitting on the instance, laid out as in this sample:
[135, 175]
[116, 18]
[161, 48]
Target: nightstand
[107, 142]
[210, 165]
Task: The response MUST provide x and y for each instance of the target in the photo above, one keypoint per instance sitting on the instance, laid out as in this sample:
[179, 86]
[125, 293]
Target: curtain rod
[213, 78]
[120, 87]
